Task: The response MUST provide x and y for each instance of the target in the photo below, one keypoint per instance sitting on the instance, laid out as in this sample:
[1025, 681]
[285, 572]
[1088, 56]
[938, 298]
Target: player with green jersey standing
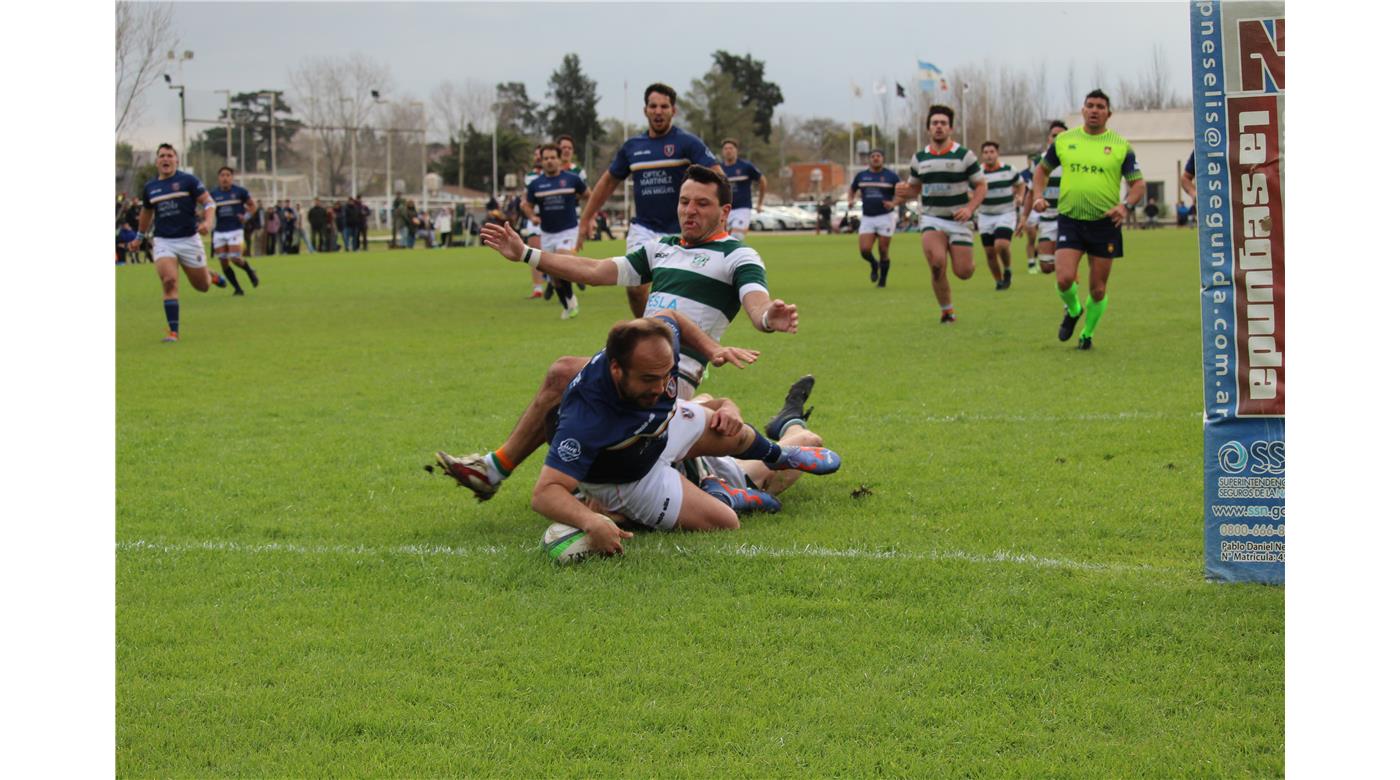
[1093, 161]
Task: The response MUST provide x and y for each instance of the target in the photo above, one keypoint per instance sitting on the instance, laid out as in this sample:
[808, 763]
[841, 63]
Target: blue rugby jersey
[229, 206]
[875, 189]
[555, 199]
[657, 167]
[173, 200]
[602, 438]
[742, 175]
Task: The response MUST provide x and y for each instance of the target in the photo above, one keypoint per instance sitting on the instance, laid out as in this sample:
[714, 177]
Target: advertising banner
[1237, 56]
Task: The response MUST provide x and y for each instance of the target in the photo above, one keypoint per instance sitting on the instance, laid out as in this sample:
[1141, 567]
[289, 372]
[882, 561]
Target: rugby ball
[565, 543]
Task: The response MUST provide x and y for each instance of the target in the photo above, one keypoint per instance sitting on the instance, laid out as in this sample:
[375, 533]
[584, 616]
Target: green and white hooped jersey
[706, 282]
[1052, 195]
[578, 171]
[1001, 191]
[947, 178]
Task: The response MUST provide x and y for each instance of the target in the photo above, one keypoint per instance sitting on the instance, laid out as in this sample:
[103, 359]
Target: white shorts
[958, 233]
[988, 223]
[638, 235]
[1049, 229]
[882, 225]
[739, 219]
[655, 499]
[530, 229]
[563, 241]
[1032, 218]
[188, 250]
[232, 238]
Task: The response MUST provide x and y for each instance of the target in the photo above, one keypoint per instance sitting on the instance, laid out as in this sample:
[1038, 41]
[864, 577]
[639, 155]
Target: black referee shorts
[1097, 237]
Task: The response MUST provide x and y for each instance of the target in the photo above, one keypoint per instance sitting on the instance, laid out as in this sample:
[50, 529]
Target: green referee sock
[1071, 299]
[1096, 309]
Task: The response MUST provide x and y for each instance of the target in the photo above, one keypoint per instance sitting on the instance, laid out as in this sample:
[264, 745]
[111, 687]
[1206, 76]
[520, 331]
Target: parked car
[792, 218]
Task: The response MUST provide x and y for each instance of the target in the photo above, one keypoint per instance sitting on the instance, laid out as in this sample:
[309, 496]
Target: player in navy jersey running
[621, 429]
[556, 193]
[877, 215]
[741, 174]
[232, 205]
[656, 160]
[182, 211]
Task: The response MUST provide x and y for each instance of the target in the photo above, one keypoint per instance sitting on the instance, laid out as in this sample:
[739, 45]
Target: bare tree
[145, 32]
[457, 104]
[334, 94]
[1072, 96]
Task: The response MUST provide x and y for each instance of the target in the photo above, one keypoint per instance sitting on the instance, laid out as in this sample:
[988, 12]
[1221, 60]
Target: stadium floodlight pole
[354, 156]
[495, 128]
[962, 109]
[228, 125]
[181, 89]
[272, 126]
[388, 156]
[423, 148]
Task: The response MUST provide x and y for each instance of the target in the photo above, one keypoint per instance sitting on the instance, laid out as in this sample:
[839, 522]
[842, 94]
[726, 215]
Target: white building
[1162, 141]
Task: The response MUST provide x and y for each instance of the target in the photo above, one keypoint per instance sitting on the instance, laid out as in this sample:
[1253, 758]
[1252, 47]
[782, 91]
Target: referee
[1093, 160]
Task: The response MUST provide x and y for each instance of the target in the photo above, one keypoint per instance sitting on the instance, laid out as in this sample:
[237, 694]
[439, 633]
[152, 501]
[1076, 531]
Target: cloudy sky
[814, 51]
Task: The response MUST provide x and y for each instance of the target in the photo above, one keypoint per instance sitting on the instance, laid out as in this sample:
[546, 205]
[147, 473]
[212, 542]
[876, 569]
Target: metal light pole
[423, 149]
[354, 155]
[228, 126]
[962, 109]
[181, 89]
[272, 125]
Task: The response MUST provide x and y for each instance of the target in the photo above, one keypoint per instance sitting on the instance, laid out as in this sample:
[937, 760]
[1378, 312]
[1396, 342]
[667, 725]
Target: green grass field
[1020, 593]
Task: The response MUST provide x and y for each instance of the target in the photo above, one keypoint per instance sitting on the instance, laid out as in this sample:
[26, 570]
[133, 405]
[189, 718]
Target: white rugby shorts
[563, 241]
[188, 250]
[881, 225]
[655, 499]
[1049, 229]
[988, 223]
[233, 238]
[958, 233]
[739, 219]
[638, 235]
[529, 229]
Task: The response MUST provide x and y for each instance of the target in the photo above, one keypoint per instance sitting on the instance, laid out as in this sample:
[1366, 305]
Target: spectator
[362, 226]
[272, 229]
[824, 215]
[125, 236]
[338, 224]
[600, 226]
[316, 218]
[1182, 214]
[443, 226]
[250, 231]
[492, 204]
[1151, 211]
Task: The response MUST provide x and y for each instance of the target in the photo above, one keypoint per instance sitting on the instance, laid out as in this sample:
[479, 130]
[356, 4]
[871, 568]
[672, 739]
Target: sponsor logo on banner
[1261, 457]
[1257, 209]
[1261, 55]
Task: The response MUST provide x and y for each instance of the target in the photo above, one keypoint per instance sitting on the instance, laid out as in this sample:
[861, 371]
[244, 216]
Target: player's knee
[963, 273]
[868, 255]
[722, 518]
[560, 373]
[1098, 291]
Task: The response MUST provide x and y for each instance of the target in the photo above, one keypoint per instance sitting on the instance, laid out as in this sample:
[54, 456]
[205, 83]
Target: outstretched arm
[770, 314]
[505, 240]
[692, 336]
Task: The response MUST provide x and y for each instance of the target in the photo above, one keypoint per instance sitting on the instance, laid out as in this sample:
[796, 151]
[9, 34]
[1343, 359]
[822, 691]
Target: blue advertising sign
[1237, 58]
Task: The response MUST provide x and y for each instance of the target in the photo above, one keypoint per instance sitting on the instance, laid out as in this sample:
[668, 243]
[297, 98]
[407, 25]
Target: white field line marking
[1055, 418]
[641, 547]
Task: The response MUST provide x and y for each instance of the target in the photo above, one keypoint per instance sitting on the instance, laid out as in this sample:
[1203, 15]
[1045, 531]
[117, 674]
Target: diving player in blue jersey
[656, 160]
[877, 215]
[556, 192]
[232, 205]
[621, 428]
[172, 201]
[741, 174]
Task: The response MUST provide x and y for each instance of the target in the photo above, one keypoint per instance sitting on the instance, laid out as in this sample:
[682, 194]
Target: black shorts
[1000, 234]
[1099, 237]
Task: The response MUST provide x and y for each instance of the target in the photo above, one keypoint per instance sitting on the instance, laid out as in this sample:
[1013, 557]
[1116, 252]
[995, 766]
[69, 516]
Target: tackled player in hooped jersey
[657, 161]
[232, 205]
[1094, 161]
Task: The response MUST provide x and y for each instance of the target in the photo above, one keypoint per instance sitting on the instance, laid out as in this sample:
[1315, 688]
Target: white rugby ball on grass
[565, 543]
